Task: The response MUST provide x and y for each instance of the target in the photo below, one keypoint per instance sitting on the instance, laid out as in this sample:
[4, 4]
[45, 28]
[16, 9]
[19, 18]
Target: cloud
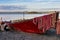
[5, 7]
[30, 4]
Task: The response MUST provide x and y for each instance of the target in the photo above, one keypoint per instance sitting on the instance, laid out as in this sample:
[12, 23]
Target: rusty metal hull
[36, 25]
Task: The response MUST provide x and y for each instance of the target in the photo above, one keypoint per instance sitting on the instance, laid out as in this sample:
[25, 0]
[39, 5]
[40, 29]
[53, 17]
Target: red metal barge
[39, 24]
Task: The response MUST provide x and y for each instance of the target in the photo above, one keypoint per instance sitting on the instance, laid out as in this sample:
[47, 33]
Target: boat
[40, 24]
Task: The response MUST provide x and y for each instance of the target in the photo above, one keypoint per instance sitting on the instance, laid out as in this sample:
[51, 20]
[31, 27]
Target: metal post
[23, 15]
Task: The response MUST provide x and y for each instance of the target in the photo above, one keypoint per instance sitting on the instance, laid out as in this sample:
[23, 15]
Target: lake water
[15, 16]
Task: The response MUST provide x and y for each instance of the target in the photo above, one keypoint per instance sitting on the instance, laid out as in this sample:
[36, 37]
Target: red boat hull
[35, 25]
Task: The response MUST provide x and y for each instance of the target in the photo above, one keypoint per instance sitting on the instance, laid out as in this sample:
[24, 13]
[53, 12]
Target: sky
[27, 5]
[30, 5]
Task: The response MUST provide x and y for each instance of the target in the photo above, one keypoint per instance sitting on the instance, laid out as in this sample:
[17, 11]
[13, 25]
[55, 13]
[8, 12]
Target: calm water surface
[15, 16]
